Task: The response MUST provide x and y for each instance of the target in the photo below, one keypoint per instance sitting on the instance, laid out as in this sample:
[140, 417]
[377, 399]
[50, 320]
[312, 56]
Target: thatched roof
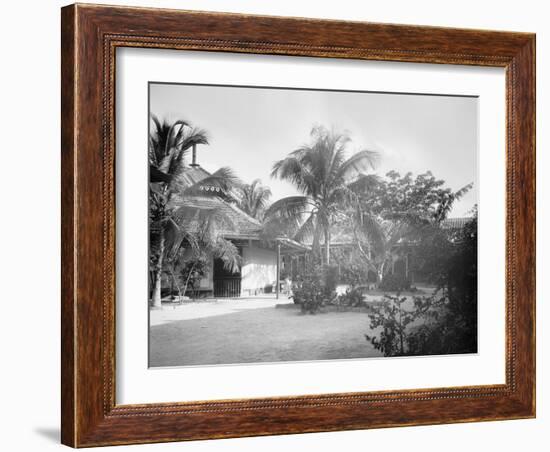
[240, 224]
[342, 234]
[455, 223]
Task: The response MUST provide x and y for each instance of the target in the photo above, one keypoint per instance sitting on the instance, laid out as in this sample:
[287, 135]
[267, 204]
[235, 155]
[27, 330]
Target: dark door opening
[226, 283]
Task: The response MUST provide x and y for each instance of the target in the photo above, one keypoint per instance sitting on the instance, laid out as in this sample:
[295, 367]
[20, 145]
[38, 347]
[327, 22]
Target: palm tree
[254, 199]
[327, 181]
[168, 186]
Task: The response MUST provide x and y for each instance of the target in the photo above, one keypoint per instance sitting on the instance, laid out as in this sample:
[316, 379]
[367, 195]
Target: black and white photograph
[291, 224]
[275, 226]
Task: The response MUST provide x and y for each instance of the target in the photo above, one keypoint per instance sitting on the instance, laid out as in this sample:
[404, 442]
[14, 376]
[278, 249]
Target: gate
[227, 287]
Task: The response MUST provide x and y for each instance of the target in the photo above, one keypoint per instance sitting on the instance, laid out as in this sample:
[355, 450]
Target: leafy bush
[451, 261]
[354, 273]
[449, 319]
[352, 297]
[394, 338]
[330, 279]
[455, 330]
[395, 283]
[315, 288]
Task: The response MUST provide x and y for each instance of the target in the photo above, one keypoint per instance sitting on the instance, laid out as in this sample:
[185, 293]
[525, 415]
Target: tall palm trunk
[156, 300]
[327, 246]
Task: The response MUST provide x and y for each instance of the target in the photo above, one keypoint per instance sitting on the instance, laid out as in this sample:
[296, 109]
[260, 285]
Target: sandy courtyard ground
[253, 330]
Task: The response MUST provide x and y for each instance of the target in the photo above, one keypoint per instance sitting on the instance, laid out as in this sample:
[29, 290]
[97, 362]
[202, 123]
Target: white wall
[258, 270]
[29, 331]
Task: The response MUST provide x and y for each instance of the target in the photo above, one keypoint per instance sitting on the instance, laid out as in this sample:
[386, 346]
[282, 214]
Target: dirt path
[247, 331]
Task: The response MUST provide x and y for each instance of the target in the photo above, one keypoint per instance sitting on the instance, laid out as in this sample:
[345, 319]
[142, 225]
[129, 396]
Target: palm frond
[157, 123]
[168, 140]
[357, 164]
[183, 141]
[445, 207]
[195, 136]
[174, 131]
[307, 230]
[177, 163]
[370, 229]
[172, 236]
[156, 175]
[191, 241]
[254, 198]
[291, 207]
[151, 150]
[293, 170]
[463, 191]
[338, 158]
[228, 253]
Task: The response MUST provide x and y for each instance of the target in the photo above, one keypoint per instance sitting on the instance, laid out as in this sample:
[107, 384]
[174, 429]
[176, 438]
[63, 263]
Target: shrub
[394, 338]
[352, 297]
[330, 278]
[354, 273]
[393, 320]
[395, 283]
[315, 288]
[454, 330]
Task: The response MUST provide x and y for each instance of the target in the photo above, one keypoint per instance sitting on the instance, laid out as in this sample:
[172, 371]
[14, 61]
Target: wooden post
[277, 284]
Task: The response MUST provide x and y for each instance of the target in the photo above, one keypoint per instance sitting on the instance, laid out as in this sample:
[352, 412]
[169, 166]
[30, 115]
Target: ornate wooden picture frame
[90, 37]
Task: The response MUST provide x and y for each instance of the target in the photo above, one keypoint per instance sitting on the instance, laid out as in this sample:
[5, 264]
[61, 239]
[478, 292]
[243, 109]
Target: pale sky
[251, 128]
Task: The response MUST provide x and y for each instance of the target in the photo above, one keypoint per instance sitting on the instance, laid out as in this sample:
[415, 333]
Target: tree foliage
[324, 175]
[448, 318]
[254, 199]
[399, 210]
[456, 329]
[172, 221]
